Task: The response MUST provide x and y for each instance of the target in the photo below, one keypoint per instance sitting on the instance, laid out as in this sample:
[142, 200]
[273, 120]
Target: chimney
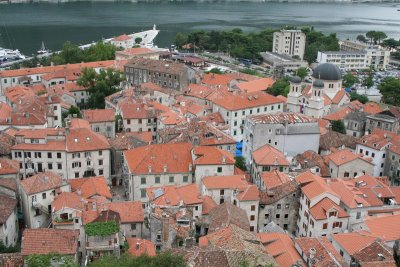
[190, 167]
[165, 168]
[313, 251]
[137, 245]
[149, 168]
[223, 159]
[381, 257]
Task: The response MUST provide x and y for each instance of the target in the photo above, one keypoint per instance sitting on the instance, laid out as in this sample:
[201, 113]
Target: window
[332, 213]
[50, 166]
[251, 228]
[358, 216]
[49, 155]
[77, 175]
[101, 172]
[171, 179]
[100, 162]
[278, 206]
[325, 226]
[43, 195]
[143, 180]
[266, 216]
[373, 154]
[219, 169]
[277, 216]
[142, 193]
[101, 153]
[133, 226]
[253, 207]
[222, 192]
[59, 166]
[346, 174]
[286, 216]
[157, 180]
[128, 121]
[59, 155]
[252, 218]
[88, 163]
[185, 179]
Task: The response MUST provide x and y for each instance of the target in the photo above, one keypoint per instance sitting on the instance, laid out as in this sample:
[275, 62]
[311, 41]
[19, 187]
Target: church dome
[328, 72]
[295, 79]
[318, 83]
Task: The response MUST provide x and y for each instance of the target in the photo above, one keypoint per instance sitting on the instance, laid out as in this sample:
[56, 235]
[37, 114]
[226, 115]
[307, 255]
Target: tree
[376, 36]
[138, 40]
[9, 249]
[338, 126]
[361, 38]
[368, 81]
[362, 98]
[70, 53]
[379, 36]
[46, 260]
[280, 87]
[391, 43]
[180, 39]
[100, 85]
[349, 80]
[302, 72]
[390, 90]
[371, 36]
[216, 71]
[164, 259]
[240, 163]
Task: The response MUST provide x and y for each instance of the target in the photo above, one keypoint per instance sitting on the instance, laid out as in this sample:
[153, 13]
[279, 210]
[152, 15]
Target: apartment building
[101, 121]
[234, 108]
[344, 60]
[289, 42]
[279, 197]
[163, 73]
[265, 159]
[71, 153]
[375, 146]
[376, 56]
[157, 165]
[320, 213]
[37, 194]
[344, 163]
[382, 121]
[285, 132]
[139, 117]
[234, 189]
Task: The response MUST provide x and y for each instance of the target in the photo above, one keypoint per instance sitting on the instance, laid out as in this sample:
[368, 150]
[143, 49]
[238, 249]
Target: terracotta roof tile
[47, 240]
[129, 211]
[227, 181]
[176, 158]
[8, 166]
[231, 101]
[210, 155]
[227, 214]
[344, 156]
[384, 227]
[99, 115]
[353, 242]
[268, 155]
[174, 195]
[274, 178]
[208, 204]
[41, 182]
[139, 247]
[261, 84]
[91, 186]
[7, 207]
[319, 211]
[68, 200]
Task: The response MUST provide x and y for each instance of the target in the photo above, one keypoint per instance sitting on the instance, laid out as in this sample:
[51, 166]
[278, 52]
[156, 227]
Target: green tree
[338, 126]
[46, 260]
[138, 40]
[391, 43]
[118, 121]
[99, 52]
[70, 53]
[100, 85]
[371, 36]
[240, 162]
[362, 98]
[164, 259]
[8, 249]
[302, 72]
[349, 80]
[216, 71]
[71, 112]
[180, 39]
[379, 36]
[368, 81]
[361, 38]
[390, 90]
[280, 87]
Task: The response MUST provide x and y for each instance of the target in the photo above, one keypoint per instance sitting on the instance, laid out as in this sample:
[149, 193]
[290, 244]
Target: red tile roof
[208, 204]
[129, 211]
[90, 187]
[8, 166]
[47, 240]
[210, 155]
[230, 181]
[171, 195]
[7, 207]
[268, 155]
[99, 115]
[121, 38]
[68, 200]
[230, 101]
[353, 242]
[319, 210]
[176, 158]
[385, 227]
[40, 182]
[85, 140]
[139, 247]
[274, 178]
[344, 156]
[261, 84]
[281, 247]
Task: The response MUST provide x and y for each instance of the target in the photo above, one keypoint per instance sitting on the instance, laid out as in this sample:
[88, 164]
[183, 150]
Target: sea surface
[25, 26]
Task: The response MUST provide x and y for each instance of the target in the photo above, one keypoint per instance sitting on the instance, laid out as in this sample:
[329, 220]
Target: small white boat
[42, 50]
[8, 55]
